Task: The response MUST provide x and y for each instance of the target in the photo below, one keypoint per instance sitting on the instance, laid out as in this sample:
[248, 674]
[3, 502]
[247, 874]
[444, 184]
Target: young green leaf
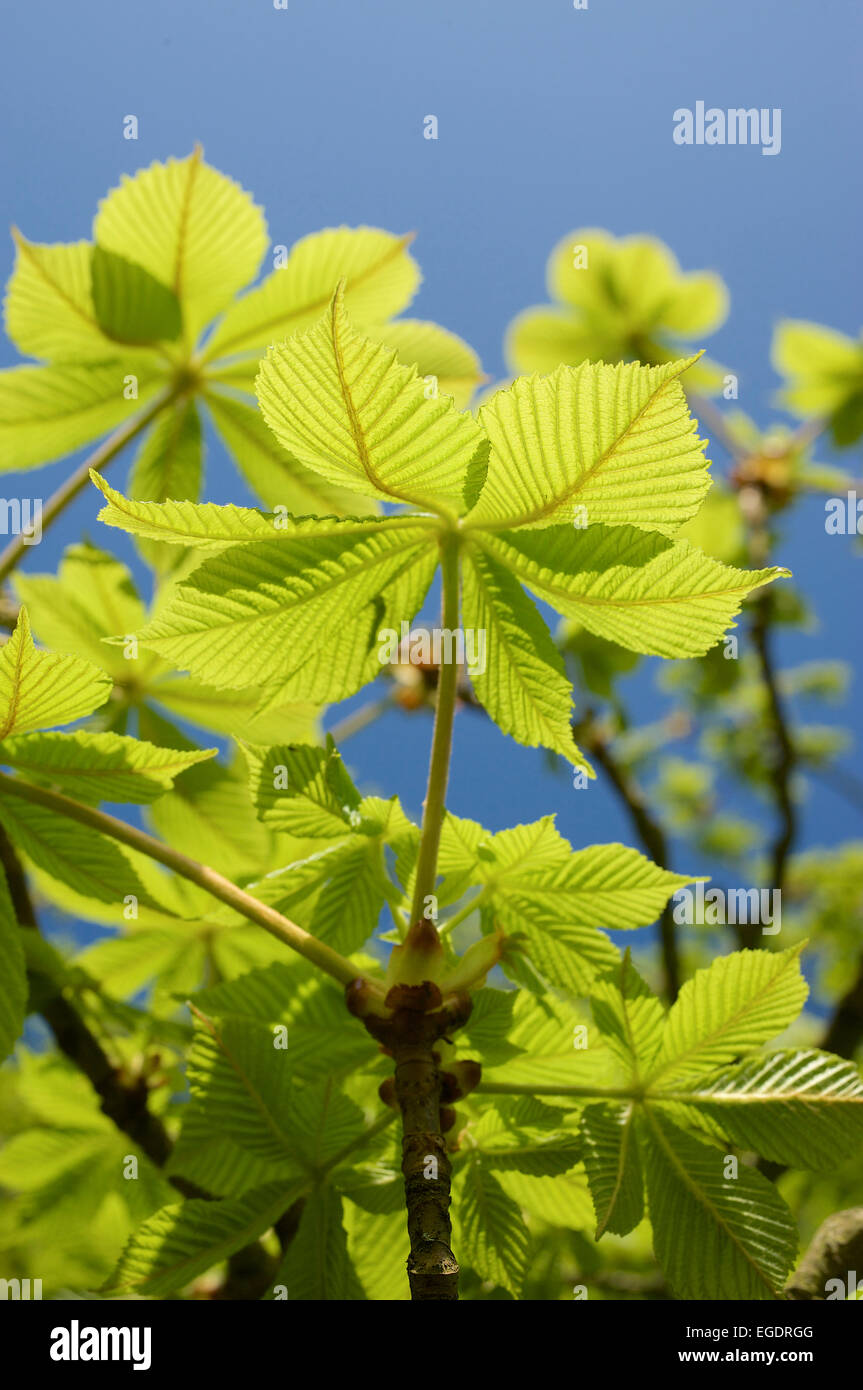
[131, 306]
[644, 592]
[47, 412]
[803, 1108]
[492, 1235]
[523, 686]
[182, 1242]
[39, 689]
[740, 1002]
[613, 1166]
[190, 227]
[617, 441]
[380, 277]
[347, 409]
[99, 766]
[715, 1236]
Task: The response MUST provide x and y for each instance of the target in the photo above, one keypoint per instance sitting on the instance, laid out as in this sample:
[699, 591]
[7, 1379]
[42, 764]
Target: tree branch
[98, 460]
[321, 955]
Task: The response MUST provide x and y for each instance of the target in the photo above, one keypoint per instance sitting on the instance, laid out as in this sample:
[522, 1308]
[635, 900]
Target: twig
[782, 763]
[77, 481]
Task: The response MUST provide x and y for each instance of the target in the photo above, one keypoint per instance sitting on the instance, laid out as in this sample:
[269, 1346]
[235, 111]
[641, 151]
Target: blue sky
[549, 119]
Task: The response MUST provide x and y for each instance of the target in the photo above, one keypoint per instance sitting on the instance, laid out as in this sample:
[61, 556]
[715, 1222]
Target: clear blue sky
[549, 118]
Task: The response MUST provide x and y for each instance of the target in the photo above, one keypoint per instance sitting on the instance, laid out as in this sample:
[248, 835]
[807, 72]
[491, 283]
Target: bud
[474, 965]
[363, 999]
[419, 957]
[459, 1079]
[448, 1118]
[421, 999]
[387, 1093]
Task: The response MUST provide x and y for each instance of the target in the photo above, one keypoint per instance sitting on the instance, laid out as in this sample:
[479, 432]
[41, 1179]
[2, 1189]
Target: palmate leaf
[319, 1042]
[305, 790]
[544, 1029]
[131, 306]
[13, 974]
[99, 766]
[616, 440]
[46, 412]
[49, 311]
[277, 478]
[276, 609]
[642, 591]
[346, 408]
[524, 686]
[628, 1015]
[235, 712]
[247, 1088]
[502, 1143]
[556, 898]
[181, 1242]
[193, 229]
[91, 597]
[803, 1108]
[740, 1002]
[715, 1237]
[90, 863]
[613, 1165]
[317, 1265]
[489, 1229]
[209, 526]
[380, 280]
[39, 689]
[436, 353]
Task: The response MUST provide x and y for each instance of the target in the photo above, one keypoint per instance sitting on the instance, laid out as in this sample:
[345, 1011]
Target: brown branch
[844, 1033]
[409, 1035]
[125, 1101]
[781, 760]
[836, 1250]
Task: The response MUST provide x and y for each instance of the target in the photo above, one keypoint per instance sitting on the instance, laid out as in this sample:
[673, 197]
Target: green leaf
[384, 1280]
[616, 440]
[169, 464]
[47, 412]
[523, 686]
[442, 359]
[270, 610]
[184, 522]
[562, 1201]
[320, 1044]
[92, 596]
[503, 1144]
[277, 478]
[628, 1015]
[131, 306]
[209, 814]
[804, 1108]
[823, 368]
[306, 791]
[246, 1087]
[39, 689]
[613, 1167]
[344, 407]
[190, 227]
[99, 766]
[380, 279]
[715, 1237]
[49, 309]
[317, 1266]
[13, 975]
[236, 712]
[641, 591]
[740, 1002]
[182, 1242]
[491, 1235]
[90, 863]
[544, 1028]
